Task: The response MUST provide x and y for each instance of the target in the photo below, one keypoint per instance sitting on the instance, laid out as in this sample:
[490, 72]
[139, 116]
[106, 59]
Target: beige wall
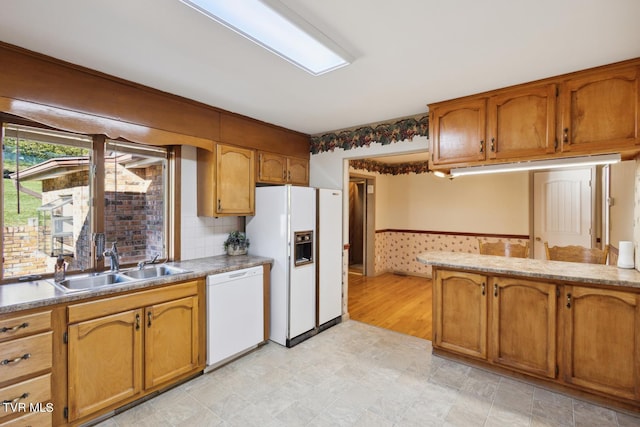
[621, 213]
[491, 204]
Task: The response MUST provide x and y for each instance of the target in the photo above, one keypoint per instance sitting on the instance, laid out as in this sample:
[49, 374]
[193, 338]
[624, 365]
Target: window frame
[97, 192]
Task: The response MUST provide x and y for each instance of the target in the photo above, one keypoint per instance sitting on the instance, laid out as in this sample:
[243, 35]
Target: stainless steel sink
[152, 271]
[92, 282]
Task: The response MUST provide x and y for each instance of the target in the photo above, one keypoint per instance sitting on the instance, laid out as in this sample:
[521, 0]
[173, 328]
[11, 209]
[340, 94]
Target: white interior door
[563, 209]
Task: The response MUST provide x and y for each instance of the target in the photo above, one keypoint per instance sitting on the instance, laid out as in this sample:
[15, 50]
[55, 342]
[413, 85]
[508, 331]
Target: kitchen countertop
[535, 268]
[41, 293]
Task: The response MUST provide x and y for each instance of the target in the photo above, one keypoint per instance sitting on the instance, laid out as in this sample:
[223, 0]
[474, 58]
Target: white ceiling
[408, 52]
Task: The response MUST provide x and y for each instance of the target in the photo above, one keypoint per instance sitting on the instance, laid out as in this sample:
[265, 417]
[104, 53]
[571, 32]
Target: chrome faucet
[141, 264]
[113, 257]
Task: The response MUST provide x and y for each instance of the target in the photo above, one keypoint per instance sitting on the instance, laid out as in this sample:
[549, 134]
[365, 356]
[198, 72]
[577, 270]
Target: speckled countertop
[534, 268]
[40, 293]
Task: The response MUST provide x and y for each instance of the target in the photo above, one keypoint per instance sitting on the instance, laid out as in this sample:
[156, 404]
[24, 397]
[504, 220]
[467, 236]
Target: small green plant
[236, 240]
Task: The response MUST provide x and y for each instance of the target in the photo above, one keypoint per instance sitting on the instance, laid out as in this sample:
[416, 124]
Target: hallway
[395, 302]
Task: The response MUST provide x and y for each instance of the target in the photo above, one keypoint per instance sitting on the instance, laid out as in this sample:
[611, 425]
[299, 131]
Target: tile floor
[359, 375]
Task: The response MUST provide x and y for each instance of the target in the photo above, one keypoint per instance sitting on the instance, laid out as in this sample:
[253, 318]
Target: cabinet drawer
[18, 326]
[112, 305]
[27, 393]
[25, 356]
[35, 419]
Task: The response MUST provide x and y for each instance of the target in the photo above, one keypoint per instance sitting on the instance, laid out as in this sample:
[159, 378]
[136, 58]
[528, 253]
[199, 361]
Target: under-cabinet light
[566, 162]
[276, 28]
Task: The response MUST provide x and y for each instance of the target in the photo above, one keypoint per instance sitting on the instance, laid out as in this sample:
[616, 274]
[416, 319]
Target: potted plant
[236, 243]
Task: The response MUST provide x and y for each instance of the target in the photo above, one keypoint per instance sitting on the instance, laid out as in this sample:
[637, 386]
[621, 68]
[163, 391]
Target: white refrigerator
[284, 228]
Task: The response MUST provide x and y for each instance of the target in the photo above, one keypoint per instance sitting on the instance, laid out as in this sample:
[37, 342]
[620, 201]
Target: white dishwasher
[235, 314]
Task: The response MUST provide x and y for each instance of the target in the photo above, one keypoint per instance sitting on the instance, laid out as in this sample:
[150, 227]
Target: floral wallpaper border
[390, 169]
[384, 133]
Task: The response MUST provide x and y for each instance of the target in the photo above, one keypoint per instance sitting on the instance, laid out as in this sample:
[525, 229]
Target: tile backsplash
[200, 236]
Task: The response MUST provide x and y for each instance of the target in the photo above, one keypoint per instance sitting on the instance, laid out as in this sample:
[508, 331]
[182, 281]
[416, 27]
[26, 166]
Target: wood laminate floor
[391, 301]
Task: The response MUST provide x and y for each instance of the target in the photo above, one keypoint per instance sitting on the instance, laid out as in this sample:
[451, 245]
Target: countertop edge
[42, 293]
[593, 274]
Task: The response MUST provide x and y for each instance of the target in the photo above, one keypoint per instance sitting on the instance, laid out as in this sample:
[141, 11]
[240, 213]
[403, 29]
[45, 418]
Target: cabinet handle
[284, 175]
[16, 360]
[15, 399]
[484, 292]
[495, 289]
[219, 205]
[137, 322]
[565, 135]
[482, 146]
[289, 175]
[568, 300]
[149, 316]
[14, 328]
[493, 147]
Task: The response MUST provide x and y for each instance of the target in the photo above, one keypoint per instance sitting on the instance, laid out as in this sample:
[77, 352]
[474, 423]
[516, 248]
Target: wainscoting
[396, 250]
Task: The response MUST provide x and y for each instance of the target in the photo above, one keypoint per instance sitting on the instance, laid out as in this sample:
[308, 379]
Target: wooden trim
[456, 233]
[73, 98]
[175, 203]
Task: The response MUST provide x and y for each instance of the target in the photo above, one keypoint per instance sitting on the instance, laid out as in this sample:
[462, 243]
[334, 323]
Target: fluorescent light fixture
[566, 162]
[273, 26]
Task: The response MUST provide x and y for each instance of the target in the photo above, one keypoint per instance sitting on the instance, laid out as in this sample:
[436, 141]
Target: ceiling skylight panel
[277, 29]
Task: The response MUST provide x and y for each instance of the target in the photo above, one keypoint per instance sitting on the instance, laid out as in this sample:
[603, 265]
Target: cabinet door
[523, 325]
[235, 180]
[272, 168]
[460, 313]
[600, 111]
[522, 123]
[171, 341]
[298, 171]
[459, 132]
[602, 340]
[105, 362]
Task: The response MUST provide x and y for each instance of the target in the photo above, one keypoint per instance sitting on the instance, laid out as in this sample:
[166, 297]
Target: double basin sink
[112, 278]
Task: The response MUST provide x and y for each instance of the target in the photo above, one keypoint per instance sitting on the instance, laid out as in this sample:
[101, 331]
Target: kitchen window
[60, 190]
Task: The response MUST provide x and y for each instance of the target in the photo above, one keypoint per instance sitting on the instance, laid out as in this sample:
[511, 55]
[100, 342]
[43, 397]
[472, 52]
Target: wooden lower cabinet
[171, 341]
[523, 325]
[576, 337]
[105, 362]
[460, 315]
[124, 347]
[602, 341]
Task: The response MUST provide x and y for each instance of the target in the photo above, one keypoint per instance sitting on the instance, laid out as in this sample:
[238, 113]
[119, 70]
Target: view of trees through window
[48, 196]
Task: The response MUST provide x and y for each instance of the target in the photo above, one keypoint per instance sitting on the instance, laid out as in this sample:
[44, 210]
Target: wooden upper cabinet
[460, 322]
[298, 171]
[522, 122]
[226, 181]
[600, 110]
[272, 168]
[235, 180]
[602, 340]
[459, 130]
[279, 169]
[523, 325]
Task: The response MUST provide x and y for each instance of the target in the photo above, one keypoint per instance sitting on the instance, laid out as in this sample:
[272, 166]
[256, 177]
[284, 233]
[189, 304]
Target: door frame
[598, 222]
[369, 256]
